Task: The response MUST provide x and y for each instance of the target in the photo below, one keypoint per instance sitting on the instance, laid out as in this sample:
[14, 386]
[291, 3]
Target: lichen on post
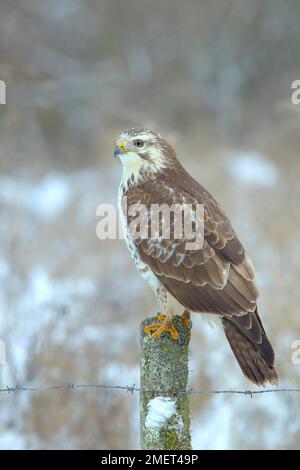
[165, 410]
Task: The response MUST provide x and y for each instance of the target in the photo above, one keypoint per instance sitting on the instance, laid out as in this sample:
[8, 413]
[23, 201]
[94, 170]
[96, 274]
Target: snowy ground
[67, 314]
[215, 79]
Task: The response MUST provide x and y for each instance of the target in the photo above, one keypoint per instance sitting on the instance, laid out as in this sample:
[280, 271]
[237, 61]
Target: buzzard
[215, 279]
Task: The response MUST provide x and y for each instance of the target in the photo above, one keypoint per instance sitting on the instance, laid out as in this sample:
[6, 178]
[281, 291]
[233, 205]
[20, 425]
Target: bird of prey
[217, 278]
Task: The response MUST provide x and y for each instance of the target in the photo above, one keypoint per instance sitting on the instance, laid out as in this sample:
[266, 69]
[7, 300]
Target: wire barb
[132, 388]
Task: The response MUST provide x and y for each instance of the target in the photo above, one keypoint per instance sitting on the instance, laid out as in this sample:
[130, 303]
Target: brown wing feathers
[251, 347]
[217, 279]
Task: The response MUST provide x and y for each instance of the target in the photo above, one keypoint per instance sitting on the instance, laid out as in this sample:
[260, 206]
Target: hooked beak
[117, 151]
[119, 148]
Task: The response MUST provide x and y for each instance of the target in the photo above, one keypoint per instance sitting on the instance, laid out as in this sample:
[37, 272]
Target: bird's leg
[186, 319]
[164, 324]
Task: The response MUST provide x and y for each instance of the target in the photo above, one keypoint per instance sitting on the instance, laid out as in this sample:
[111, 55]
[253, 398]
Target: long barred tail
[251, 347]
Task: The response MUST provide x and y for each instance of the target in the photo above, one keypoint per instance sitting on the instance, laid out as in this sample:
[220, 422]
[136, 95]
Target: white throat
[133, 164]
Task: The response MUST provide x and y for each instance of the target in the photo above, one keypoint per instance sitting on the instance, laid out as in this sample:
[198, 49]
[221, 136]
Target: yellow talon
[162, 326]
[186, 320]
[160, 317]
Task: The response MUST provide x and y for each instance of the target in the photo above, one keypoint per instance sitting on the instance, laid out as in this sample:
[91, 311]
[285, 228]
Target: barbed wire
[132, 389]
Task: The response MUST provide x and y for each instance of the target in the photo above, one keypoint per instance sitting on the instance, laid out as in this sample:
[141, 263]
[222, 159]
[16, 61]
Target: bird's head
[143, 149]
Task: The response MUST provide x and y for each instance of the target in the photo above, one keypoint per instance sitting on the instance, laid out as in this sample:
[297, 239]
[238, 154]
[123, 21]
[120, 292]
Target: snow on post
[165, 410]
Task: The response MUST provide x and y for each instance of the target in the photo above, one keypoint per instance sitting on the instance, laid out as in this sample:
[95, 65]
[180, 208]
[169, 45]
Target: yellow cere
[120, 144]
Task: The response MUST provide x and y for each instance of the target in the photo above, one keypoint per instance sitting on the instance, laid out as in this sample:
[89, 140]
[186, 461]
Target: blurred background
[213, 77]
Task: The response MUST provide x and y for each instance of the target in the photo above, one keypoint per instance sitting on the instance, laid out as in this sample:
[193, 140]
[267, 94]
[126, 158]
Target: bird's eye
[138, 143]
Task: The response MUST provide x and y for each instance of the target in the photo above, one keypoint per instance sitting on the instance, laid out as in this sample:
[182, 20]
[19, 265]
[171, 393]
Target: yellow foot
[160, 327]
[186, 320]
